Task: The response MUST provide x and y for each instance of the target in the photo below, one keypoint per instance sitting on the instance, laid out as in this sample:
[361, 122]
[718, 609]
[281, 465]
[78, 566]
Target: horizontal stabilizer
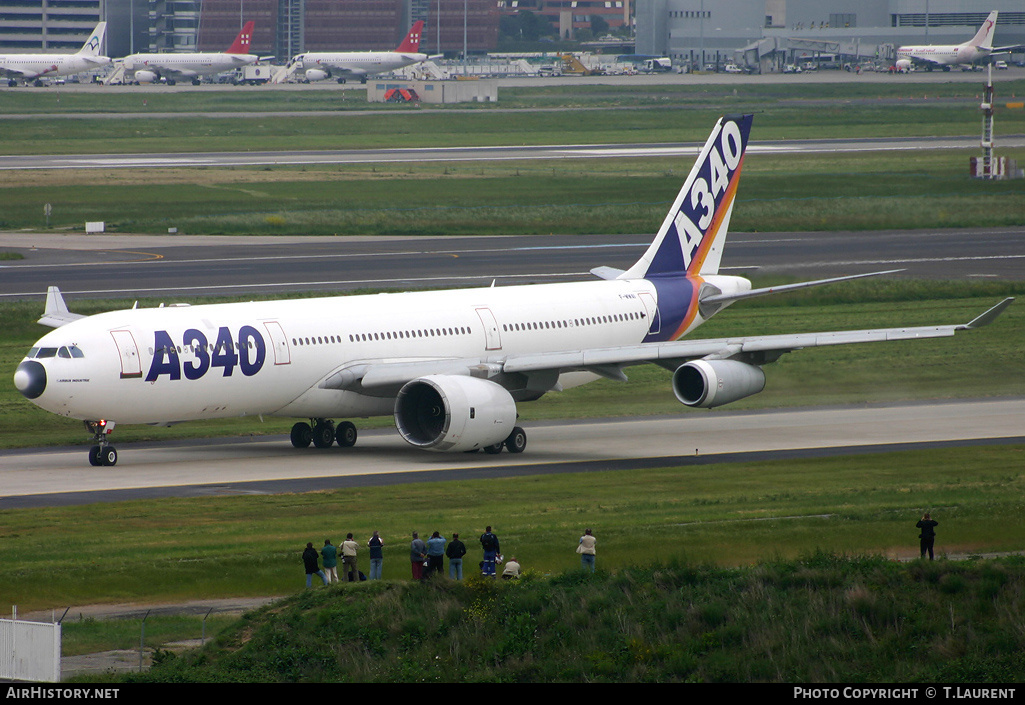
[56, 313]
[736, 296]
[607, 272]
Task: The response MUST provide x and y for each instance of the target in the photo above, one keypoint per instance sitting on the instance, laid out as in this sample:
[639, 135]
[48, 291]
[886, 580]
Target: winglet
[989, 316]
[56, 313]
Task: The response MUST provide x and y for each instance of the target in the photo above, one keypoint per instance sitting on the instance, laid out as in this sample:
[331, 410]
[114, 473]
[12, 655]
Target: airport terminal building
[768, 33]
[760, 33]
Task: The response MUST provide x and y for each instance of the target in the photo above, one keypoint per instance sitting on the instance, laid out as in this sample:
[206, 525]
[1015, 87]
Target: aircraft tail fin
[95, 41]
[411, 44]
[692, 236]
[984, 37]
[241, 44]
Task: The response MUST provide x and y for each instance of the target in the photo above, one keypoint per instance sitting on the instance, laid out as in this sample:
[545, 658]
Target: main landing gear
[323, 433]
[102, 453]
[515, 443]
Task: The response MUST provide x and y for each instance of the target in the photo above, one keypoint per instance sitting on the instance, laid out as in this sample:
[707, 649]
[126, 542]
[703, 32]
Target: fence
[30, 651]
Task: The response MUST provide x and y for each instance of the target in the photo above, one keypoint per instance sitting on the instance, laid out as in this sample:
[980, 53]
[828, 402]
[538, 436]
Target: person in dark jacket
[489, 542]
[455, 552]
[928, 535]
[376, 556]
[311, 561]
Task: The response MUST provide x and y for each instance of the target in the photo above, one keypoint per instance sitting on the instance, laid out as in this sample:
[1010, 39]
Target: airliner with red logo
[174, 66]
[343, 65]
[944, 56]
[449, 366]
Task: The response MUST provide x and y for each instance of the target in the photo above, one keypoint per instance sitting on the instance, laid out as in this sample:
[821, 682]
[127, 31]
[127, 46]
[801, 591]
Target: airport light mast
[986, 170]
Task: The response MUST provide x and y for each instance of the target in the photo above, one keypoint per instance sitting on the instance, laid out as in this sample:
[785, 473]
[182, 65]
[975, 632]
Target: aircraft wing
[16, 73]
[386, 377]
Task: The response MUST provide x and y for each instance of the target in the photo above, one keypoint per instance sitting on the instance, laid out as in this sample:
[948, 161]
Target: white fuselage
[29, 66]
[281, 351]
[357, 63]
[189, 65]
[943, 55]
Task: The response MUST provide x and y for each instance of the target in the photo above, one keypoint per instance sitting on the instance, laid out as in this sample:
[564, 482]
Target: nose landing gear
[102, 453]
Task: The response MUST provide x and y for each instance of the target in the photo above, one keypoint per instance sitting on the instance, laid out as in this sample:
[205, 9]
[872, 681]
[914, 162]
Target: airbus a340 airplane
[450, 366]
[147, 68]
[945, 55]
[33, 67]
[318, 65]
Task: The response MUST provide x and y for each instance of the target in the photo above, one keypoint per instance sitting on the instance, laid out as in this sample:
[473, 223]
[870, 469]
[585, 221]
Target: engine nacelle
[145, 76]
[454, 413]
[316, 74]
[903, 65]
[708, 383]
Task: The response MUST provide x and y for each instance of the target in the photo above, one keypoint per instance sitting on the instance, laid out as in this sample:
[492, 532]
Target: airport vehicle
[253, 75]
[946, 55]
[450, 366]
[172, 67]
[34, 67]
[343, 65]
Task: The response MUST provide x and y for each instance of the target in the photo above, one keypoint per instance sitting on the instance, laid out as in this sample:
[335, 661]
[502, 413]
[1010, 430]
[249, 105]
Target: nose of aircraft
[30, 379]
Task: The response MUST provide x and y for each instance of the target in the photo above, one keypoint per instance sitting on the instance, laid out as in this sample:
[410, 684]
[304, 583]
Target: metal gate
[30, 651]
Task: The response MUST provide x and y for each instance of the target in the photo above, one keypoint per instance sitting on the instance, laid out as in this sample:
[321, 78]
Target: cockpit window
[65, 351]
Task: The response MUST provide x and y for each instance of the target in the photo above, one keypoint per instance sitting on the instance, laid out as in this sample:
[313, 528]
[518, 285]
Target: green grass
[822, 619]
[729, 514]
[778, 193]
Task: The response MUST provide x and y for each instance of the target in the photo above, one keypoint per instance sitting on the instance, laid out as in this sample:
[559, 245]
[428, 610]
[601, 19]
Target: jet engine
[708, 383]
[145, 76]
[903, 65]
[454, 413]
[316, 74]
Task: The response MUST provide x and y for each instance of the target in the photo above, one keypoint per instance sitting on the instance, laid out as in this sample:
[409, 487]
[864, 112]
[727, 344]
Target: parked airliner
[147, 68]
[34, 67]
[450, 366]
[945, 55]
[342, 65]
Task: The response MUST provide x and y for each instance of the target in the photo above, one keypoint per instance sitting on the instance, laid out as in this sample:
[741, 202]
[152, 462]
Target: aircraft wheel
[323, 435]
[108, 456]
[517, 440]
[495, 449]
[302, 435]
[345, 434]
[94, 456]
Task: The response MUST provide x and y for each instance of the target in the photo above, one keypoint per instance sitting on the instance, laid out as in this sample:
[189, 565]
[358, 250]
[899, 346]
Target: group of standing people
[426, 558]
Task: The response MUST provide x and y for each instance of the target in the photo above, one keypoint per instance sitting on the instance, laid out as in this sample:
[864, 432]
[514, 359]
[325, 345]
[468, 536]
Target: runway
[405, 155]
[125, 266]
[219, 467]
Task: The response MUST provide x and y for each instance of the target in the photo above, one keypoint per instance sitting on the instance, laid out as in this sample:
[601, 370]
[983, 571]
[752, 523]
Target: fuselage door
[131, 365]
[491, 334]
[654, 319]
[282, 354]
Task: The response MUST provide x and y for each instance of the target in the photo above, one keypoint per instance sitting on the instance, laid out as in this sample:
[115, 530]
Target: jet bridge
[770, 53]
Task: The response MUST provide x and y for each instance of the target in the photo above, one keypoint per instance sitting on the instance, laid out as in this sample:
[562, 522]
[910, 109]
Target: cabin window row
[409, 334]
[577, 322]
